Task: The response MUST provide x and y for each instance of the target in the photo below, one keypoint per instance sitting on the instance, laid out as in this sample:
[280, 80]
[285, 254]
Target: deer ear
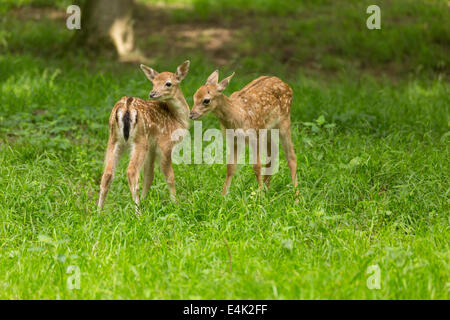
[224, 83]
[149, 72]
[182, 70]
[213, 78]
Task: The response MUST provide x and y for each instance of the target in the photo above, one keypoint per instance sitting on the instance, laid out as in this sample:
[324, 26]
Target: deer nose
[193, 115]
[152, 94]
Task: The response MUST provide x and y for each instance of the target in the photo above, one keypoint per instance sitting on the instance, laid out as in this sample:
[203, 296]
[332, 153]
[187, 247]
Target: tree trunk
[107, 24]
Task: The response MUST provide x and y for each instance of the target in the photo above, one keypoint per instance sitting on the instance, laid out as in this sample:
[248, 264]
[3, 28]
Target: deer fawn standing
[265, 103]
[145, 127]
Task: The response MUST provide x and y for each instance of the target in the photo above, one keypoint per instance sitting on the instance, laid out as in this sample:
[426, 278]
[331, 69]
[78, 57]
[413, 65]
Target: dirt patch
[158, 35]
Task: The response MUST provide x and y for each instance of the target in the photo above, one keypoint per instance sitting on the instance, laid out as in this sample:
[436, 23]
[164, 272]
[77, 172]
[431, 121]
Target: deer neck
[228, 112]
[179, 108]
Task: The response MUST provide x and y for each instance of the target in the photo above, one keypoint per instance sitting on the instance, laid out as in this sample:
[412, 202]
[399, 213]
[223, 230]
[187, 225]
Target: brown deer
[264, 103]
[145, 127]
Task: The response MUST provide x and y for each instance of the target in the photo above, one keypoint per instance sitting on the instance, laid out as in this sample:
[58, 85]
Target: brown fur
[151, 125]
[264, 103]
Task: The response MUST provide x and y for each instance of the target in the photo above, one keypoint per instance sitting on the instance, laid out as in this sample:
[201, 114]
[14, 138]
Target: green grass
[372, 165]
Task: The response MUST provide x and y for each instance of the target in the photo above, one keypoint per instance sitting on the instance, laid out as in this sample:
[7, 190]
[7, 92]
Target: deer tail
[126, 119]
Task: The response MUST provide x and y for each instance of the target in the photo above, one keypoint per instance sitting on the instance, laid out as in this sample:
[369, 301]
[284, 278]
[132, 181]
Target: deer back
[264, 101]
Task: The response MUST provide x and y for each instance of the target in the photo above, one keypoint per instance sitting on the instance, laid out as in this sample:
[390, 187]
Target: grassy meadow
[371, 129]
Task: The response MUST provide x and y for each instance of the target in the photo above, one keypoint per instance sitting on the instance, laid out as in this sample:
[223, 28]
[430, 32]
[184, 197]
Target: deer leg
[231, 168]
[137, 159]
[149, 167]
[257, 167]
[267, 177]
[286, 140]
[113, 154]
[167, 170]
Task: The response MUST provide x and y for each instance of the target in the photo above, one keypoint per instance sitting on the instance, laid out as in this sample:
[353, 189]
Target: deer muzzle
[194, 115]
[154, 94]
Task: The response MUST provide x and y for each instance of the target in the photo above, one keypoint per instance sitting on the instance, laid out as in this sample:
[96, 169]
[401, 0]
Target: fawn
[145, 127]
[264, 103]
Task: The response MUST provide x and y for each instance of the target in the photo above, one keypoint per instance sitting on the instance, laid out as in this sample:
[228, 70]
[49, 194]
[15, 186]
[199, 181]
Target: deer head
[206, 98]
[165, 84]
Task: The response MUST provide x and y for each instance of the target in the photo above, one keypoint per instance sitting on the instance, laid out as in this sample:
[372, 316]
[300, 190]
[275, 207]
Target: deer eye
[168, 84]
[206, 101]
